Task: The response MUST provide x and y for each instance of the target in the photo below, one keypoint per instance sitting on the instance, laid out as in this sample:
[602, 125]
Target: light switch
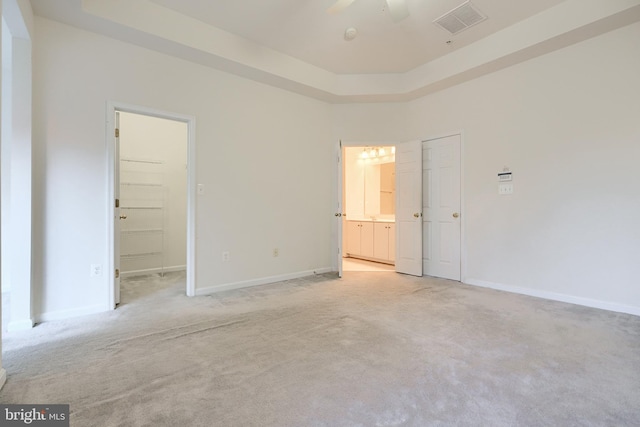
[200, 189]
[505, 188]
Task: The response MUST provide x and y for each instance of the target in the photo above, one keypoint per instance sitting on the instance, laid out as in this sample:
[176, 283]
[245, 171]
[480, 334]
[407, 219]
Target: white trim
[191, 207]
[3, 377]
[369, 143]
[132, 273]
[112, 106]
[66, 314]
[337, 260]
[20, 325]
[463, 216]
[262, 281]
[555, 296]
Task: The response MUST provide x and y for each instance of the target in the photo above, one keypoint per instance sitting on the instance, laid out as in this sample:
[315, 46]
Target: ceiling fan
[397, 8]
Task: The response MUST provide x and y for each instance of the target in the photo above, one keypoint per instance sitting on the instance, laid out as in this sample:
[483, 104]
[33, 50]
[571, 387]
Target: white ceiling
[296, 45]
[304, 30]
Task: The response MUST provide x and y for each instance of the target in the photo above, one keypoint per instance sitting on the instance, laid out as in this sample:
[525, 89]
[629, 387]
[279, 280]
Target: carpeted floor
[371, 349]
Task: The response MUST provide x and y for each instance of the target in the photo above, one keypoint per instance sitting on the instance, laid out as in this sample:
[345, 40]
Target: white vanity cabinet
[360, 238]
[384, 241]
[371, 240]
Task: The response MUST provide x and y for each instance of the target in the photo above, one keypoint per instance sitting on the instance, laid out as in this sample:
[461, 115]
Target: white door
[116, 213]
[339, 209]
[441, 207]
[409, 208]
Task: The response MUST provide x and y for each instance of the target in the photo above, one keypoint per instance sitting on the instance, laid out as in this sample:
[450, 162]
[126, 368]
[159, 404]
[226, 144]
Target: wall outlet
[276, 252]
[225, 256]
[96, 270]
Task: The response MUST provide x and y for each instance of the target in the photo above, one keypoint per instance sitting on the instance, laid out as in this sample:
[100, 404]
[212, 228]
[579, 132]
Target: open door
[339, 208]
[441, 207]
[409, 208]
[116, 213]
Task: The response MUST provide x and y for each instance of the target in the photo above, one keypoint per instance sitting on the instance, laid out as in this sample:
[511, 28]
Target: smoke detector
[350, 34]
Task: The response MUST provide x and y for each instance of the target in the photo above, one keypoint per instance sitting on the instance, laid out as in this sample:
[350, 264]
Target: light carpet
[371, 349]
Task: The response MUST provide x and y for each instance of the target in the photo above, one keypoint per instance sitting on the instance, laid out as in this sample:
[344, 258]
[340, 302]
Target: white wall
[5, 147]
[371, 123]
[152, 138]
[3, 372]
[17, 161]
[567, 124]
[264, 155]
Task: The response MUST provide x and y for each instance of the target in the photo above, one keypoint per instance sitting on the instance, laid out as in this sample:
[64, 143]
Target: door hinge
[117, 133]
[117, 203]
[117, 273]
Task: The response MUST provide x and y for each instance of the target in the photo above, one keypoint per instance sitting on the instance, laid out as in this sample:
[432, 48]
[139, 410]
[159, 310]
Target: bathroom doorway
[368, 214]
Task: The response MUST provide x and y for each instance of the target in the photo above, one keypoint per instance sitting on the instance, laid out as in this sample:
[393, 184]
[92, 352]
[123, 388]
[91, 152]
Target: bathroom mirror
[379, 189]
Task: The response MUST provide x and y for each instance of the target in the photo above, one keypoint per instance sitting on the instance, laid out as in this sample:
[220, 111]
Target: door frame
[111, 108]
[339, 196]
[463, 239]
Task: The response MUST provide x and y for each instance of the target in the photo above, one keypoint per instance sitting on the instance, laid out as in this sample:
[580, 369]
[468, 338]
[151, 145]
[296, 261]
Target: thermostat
[504, 176]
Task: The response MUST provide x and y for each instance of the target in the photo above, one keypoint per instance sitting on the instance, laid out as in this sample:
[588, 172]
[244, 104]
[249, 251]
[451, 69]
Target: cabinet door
[366, 239]
[381, 240]
[353, 237]
[392, 242]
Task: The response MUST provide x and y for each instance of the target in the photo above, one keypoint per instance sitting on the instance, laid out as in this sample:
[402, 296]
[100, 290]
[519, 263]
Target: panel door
[441, 207]
[409, 208]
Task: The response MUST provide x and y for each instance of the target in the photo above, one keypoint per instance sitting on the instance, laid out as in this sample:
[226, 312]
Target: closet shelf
[142, 184]
[153, 162]
[141, 255]
[142, 200]
[144, 230]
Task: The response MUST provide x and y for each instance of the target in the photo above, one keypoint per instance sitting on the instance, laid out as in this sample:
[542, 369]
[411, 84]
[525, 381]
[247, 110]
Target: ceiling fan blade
[339, 6]
[398, 9]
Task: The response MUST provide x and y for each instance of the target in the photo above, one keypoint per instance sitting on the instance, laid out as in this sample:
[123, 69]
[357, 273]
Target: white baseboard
[3, 377]
[133, 273]
[66, 314]
[20, 325]
[262, 281]
[554, 296]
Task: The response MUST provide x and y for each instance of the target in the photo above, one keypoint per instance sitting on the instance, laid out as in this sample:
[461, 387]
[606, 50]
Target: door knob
[338, 214]
[417, 215]
[456, 214]
[123, 217]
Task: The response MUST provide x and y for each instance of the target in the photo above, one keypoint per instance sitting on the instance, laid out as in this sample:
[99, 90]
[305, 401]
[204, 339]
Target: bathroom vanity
[373, 240]
[369, 187]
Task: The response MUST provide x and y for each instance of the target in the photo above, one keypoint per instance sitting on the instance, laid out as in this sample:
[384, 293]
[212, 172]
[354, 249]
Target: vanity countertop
[372, 220]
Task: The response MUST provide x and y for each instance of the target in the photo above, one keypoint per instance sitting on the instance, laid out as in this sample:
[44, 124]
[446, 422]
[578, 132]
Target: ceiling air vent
[459, 19]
